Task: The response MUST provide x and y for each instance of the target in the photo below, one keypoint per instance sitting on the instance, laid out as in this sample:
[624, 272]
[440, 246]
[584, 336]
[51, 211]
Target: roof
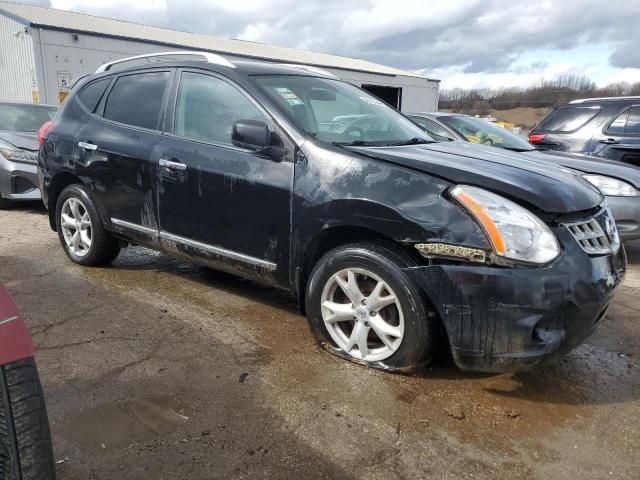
[36, 16]
[605, 99]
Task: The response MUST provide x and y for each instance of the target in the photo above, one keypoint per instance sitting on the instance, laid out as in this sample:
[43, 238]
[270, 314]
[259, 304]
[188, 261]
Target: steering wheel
[354, 127]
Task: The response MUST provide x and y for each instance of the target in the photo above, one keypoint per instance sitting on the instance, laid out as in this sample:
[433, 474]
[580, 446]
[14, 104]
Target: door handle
[171, 165]
[609, 141]
[87, 146]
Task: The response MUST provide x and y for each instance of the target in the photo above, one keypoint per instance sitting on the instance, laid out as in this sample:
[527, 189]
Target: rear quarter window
[90, 95]
[567, 119]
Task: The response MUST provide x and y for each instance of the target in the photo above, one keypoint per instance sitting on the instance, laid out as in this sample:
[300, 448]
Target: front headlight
[513, 231]
[611, 187]
[22, 156]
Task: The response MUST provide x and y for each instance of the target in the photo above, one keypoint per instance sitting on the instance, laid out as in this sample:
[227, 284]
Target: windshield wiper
[355, 143]
[413, 141]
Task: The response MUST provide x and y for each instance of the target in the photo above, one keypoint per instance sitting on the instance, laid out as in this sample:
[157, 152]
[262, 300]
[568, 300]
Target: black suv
[287, 175]
[602, 127]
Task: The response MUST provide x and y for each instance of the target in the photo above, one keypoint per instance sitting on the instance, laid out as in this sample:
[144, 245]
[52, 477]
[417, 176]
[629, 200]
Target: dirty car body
[619, 182]
[296, 186]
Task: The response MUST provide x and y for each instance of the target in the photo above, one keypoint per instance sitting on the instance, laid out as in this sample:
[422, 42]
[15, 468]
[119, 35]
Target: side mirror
[251, 134]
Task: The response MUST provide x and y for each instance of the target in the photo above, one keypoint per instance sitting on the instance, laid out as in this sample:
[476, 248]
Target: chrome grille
[597, 235]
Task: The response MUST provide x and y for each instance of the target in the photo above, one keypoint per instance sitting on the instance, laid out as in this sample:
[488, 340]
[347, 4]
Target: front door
[620, 139]
[225, 204]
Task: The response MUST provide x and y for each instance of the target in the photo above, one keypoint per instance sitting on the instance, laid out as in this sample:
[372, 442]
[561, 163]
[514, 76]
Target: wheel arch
[335, 236]
[61, 181]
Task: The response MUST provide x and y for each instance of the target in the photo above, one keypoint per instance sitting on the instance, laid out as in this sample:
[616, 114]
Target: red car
[25, 442]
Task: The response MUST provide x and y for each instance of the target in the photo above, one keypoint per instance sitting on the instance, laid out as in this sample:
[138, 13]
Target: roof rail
[309, 68]
[599, 99]
[208, 57]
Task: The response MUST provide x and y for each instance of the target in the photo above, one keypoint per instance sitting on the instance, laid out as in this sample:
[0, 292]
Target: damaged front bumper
[501, 319]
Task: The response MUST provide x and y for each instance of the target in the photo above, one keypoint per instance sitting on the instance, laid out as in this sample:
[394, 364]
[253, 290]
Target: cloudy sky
[466, 43]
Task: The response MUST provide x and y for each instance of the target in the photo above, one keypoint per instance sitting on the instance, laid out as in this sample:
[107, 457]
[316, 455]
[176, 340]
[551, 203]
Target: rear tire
[80, 228]
[396, 329]
[25, 442]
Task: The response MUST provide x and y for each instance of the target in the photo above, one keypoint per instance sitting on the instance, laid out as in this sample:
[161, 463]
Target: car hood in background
[22, 140]
[585, 164]
[547, 187]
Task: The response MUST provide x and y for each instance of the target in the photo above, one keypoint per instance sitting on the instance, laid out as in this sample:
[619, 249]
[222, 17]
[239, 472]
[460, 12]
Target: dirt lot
[156, 369]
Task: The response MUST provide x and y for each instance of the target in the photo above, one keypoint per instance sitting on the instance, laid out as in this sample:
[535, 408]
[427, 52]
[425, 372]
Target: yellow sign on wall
[62, 94]
[35, 98]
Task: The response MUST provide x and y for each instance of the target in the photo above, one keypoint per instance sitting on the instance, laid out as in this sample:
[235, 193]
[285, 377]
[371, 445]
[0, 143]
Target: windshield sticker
[371, 101]
[289, 96]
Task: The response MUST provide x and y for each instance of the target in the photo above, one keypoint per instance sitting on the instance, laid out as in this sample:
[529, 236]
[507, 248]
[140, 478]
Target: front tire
[80, 228]
[5, 203]
[362, 306]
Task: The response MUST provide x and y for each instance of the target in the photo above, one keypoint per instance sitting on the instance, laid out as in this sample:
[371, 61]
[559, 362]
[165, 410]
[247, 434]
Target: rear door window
[619, 124]
[137, 99]
[626, 123]
[567, 119]
[633, 122]
[90, 95]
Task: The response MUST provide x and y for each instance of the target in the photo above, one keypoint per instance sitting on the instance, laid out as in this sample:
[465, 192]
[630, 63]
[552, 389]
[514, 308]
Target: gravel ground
[157, 369]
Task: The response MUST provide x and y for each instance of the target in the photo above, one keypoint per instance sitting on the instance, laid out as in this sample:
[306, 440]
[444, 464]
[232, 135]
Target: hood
[550, 188]
[22, 140]
[585, 164]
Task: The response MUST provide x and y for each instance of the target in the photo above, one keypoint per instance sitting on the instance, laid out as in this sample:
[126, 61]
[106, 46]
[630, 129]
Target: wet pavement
[157, 369]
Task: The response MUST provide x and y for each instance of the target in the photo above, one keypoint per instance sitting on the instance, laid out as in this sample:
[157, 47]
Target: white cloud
[466, 42]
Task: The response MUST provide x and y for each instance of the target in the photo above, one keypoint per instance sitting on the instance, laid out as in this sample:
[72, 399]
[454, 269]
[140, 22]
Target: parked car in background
[19, 124]
[289, 176]
[25, 442]
[619, 182]
[600, 127]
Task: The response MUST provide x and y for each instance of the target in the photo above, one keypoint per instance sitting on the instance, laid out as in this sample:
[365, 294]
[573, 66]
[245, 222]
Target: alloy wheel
[76, 227]
[362, 314]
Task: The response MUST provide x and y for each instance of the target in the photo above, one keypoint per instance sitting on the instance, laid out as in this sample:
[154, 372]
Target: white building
[42, 50]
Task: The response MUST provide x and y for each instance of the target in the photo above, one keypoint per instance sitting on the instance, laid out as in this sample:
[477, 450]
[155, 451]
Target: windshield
[24, 118]
[477, 130]
[339, 113]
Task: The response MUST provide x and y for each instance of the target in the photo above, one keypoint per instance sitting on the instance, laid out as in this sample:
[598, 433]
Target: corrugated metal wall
[65, 55]
[17, 64]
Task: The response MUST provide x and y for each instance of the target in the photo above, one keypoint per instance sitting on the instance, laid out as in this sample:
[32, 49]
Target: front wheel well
[333, 237]
[58, 184]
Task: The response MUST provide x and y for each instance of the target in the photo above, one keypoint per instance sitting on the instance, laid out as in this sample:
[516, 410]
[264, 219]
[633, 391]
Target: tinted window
[619, 124]
[92, 93]
[567, 119]
[633, 123]
[433, 129]
[137, 99]
[208, 107]
[24, 118]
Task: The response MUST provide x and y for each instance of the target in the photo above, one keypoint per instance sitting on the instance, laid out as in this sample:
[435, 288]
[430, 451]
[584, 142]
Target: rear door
[225, 204]
[620, 137]
[116, 148]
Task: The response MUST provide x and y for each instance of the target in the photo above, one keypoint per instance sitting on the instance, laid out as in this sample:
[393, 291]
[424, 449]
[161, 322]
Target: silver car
[19, 124]
[619, 182]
